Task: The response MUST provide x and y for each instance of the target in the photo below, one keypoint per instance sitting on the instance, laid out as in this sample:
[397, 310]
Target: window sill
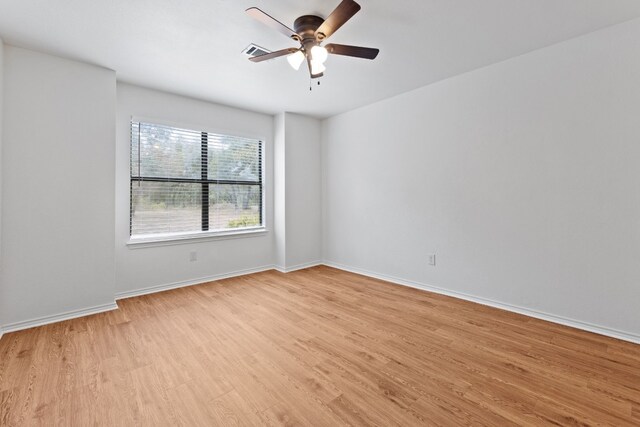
[184, 239]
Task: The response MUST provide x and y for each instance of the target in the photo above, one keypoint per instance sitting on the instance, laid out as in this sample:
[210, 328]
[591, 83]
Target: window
[186, 182]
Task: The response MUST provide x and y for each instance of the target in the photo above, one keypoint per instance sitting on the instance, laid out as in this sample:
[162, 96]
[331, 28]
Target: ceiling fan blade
[356, 51]
[270, 21]
[276, 54]
[338, 17]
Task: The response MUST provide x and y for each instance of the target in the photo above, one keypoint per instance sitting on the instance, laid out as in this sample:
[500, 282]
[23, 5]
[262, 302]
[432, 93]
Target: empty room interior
[320, 213]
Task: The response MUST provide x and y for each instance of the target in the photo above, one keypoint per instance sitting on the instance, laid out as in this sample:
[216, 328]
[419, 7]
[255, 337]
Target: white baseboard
[191, 282]
[601, 330]
[585, 326]
[26, 324]
[45, 320]
[297, 267]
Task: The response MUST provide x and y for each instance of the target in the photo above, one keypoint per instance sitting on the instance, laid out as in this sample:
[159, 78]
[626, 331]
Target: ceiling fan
[310, 31]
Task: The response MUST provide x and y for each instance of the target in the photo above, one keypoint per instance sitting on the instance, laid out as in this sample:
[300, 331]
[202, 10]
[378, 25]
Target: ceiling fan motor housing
[307, 25]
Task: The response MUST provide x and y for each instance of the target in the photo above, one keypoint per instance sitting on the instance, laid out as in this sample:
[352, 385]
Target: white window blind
[190, 182]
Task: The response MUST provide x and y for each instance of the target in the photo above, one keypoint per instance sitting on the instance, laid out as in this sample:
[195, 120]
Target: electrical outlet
[193, 256]
[432, 259]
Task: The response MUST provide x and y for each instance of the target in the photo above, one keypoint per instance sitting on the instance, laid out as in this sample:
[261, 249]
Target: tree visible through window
[185, 181]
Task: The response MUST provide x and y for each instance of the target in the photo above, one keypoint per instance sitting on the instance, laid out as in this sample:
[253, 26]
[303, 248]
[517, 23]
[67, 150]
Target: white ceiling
[193, 47]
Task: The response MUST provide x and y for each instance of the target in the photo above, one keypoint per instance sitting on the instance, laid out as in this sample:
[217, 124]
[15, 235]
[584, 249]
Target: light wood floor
[316, 347]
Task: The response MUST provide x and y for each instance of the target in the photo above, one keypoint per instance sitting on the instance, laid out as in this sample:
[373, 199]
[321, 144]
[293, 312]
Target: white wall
[142, 268]
[58, 192]
[303, 191]
[298, 190]
[523, 177]
[279, 191]
[2, 315]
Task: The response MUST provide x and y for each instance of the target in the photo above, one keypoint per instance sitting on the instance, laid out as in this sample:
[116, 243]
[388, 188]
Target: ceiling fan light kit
[296, 59]
[310, 31]
[319, 54]
[317, 69]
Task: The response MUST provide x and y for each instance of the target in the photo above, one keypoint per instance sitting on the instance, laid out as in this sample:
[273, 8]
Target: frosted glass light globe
[317, 67]
[296, 59]
[319, 54]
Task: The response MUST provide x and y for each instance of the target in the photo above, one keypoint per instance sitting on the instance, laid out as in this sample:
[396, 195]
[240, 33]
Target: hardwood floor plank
[230, 409]
[357, 412]
[314, 347]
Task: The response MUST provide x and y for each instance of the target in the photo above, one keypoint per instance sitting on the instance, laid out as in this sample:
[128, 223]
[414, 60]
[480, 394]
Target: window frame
[204, 233]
